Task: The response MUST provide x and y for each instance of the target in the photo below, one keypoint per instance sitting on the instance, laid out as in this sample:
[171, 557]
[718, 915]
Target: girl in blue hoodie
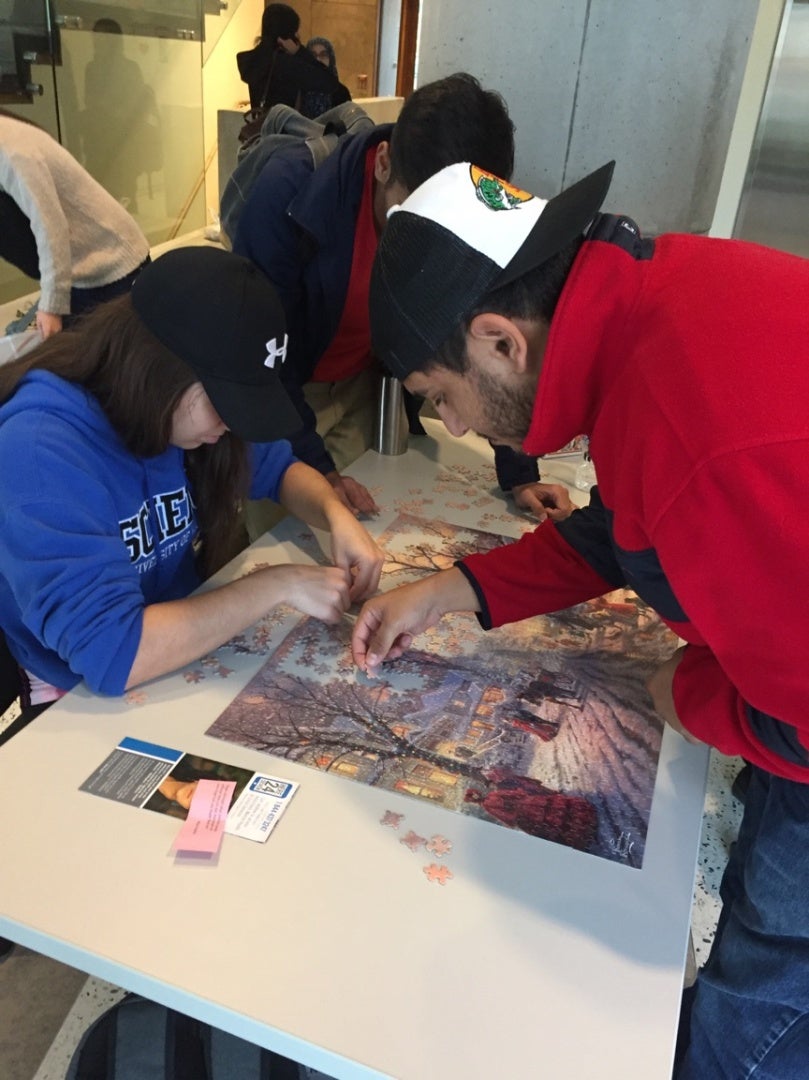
[126, 448]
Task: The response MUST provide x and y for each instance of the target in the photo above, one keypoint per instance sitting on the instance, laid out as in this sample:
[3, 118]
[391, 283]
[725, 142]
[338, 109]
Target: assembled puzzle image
[543, 726]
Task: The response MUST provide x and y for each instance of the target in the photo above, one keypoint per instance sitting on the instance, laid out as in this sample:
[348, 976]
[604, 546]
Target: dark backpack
[137, 1039]
[284, 127]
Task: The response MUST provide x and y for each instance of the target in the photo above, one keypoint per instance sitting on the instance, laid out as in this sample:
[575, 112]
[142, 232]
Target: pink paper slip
[204, 827]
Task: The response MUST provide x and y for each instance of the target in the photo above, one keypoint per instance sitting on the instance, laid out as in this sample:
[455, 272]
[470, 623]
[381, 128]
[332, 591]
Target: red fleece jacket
[686, 360]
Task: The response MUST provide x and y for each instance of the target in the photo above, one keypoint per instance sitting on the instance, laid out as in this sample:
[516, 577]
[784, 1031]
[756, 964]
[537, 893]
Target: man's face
[489, 398]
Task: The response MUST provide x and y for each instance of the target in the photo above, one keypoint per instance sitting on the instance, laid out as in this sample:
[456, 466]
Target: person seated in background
[279, 70]
[314, 234]
[315, 102]
[127, 447]
[61, 227]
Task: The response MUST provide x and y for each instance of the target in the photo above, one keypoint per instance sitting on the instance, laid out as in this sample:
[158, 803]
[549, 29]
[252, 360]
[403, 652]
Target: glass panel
[128, 106]
[26, 35]
[152, 18]
[26, 88]
[131, 112]
[218, 14]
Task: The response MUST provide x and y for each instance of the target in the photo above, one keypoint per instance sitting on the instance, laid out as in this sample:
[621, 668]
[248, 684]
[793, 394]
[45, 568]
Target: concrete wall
[654, 85]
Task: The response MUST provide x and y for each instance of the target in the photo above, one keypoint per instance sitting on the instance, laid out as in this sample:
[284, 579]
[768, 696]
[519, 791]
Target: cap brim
[257, 413]
[563, 219]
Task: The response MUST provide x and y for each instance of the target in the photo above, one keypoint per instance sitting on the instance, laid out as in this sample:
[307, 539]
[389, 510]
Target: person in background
[279, 70]
[314, 233]
[686, 361]
[315, 102]
[127, 447]
[61, 227]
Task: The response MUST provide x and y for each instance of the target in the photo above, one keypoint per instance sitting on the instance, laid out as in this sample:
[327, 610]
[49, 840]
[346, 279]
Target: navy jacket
[298, 225]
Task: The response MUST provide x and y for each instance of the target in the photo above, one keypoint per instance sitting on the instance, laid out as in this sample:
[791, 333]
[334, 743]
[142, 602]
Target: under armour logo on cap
[275, 351]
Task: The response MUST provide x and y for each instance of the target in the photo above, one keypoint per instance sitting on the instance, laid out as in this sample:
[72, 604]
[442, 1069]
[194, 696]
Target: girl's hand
[319, 591]
[48, 323]
[355, 551]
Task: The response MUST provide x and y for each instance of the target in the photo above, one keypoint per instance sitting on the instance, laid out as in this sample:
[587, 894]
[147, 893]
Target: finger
[530, 501]
[366, 577]
[335, 607]
[400, 646]
[361, 498]
[361, 585]
[363, 629]
[344, 495]
[376, 638]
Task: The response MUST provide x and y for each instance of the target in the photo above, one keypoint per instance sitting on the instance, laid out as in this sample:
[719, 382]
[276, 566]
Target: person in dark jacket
[315, 102]
[314, 234]
[279, 70]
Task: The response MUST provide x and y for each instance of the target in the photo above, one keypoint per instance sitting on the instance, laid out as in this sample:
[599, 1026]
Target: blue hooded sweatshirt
[90, 534]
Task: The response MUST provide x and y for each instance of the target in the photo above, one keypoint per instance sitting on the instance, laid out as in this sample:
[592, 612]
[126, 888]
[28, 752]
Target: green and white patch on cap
[489, 214]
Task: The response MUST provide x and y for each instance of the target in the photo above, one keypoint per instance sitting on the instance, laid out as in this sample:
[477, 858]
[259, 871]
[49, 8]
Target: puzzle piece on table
[391, 819]
[413, 840]
[438, 874]
[439, 846]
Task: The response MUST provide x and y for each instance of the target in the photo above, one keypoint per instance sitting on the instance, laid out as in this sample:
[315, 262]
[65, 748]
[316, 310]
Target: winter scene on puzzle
[543, 726]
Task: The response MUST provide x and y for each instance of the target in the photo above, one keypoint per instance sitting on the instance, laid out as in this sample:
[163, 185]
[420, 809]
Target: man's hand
[289, 45]
[352, 494]
[388, 623]
[544, 500]
[661, 688]
[48, 323]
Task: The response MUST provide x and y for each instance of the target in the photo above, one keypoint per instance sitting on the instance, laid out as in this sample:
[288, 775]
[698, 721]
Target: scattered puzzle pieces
[439, 846]
[392, 820]
[413, 840]
[440, 875]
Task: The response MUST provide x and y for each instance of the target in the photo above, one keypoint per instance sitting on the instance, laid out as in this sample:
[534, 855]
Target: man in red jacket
[686, 361]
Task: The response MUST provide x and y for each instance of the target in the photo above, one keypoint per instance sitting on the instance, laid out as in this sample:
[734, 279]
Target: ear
[508, 342]
[382, 162]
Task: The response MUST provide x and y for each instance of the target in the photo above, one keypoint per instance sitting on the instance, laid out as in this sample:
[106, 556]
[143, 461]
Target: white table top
[323, 943]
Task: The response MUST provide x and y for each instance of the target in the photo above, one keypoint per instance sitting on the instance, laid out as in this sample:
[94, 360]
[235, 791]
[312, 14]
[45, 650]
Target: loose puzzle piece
[392, 820]
[439, 846]
[413, 840]
[438, 874]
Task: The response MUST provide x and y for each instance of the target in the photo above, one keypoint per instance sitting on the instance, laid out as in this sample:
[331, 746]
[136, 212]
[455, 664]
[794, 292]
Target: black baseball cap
[460, 234]
[218, 313]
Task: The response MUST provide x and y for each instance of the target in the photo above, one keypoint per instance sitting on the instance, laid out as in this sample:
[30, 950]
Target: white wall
[221, 86]
[751, 98]
[650, 83]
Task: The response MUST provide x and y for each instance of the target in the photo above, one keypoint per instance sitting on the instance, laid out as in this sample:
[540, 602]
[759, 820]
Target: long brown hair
[138, 384]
